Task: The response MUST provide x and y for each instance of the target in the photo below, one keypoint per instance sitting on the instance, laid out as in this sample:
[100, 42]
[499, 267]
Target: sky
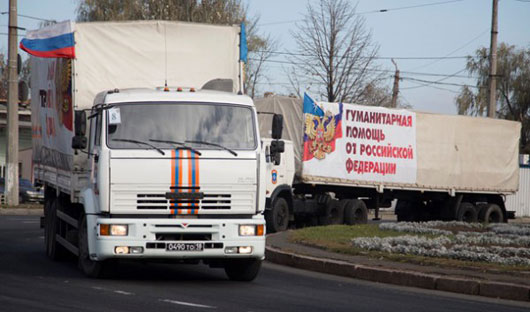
[453, 29]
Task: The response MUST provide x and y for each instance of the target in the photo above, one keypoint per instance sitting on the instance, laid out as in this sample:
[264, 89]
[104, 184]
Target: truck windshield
[231, 126]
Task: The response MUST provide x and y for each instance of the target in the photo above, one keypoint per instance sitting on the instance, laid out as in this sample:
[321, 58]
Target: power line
[7, 34]
[419, 85]
[409, 7]
[375, 57]
[455, 50]
[31, 17]
[371, 12]
[429, 82]
[382, 70]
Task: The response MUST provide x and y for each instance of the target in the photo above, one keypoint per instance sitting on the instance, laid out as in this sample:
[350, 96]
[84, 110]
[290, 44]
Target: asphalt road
[29, 281]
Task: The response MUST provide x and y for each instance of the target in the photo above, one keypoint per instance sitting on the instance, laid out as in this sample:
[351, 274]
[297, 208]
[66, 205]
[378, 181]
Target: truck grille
[159, 201]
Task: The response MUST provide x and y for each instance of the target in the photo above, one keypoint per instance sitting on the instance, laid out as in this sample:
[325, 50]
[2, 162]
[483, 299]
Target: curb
[400, 277]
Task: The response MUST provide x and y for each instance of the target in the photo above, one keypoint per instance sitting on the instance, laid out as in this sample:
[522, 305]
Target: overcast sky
[452, 29]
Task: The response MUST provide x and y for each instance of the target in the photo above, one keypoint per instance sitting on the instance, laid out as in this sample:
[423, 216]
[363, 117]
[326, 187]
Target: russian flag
[56, 40]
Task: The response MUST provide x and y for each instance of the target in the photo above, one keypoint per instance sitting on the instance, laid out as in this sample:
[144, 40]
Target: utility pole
[395, 89]
[493, 62]
[12, 109]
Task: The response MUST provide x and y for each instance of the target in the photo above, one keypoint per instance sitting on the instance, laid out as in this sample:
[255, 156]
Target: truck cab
[173, 174]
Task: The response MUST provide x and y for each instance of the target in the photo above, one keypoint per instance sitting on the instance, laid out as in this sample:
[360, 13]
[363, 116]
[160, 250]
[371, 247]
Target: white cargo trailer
[160, 172]
[347, 158]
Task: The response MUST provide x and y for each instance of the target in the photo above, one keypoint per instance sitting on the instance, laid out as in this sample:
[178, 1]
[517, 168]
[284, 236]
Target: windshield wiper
[213, 144]
[182, 145]
[140, 142]
[99, 108]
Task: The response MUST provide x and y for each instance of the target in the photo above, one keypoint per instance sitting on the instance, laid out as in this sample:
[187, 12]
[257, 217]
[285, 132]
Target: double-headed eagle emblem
[320, 130]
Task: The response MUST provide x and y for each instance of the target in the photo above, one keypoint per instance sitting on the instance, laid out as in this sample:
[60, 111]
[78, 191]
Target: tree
[23, 76]
[513, 88]
[3, 72]
[227, 12]
[334, 53]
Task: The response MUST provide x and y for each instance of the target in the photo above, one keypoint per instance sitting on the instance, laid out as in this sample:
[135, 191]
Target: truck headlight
[251, 230]
[113, 229]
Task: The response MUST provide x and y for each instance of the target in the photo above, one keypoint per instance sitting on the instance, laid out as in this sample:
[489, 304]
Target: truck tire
[407, 211]
[90, 268]
[491, 213]
[54, 250]
[355, 212]
[244, 270]
[333, 213]
[277, 218]
[467, 213]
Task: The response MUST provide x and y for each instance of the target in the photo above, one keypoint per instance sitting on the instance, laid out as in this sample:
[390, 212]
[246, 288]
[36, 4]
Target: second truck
[342, 159]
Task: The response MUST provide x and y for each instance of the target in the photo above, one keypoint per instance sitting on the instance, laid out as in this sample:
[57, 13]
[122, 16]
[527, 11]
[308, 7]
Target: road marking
[30, 222]
[121, 292]
[189, 304]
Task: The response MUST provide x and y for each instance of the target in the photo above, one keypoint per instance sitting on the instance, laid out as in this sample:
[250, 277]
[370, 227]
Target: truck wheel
[355, 212]
[467, 213]
[89, 267]
[491, 213]
[407, 211]
[54, 250]
[333, 214]
[277, 218]
[244, 270]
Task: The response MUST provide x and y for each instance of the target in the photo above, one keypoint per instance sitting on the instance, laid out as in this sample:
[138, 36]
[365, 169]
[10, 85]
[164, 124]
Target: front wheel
[277, 218]
[244, 270]
[89, 267]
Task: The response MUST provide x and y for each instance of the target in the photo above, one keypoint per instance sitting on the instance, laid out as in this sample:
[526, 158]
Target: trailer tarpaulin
[430, 151]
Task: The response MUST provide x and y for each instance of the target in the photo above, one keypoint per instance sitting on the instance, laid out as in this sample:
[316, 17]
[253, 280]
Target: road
[29, 281]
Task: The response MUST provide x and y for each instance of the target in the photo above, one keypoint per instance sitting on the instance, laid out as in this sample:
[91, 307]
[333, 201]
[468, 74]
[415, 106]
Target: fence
[520, 201]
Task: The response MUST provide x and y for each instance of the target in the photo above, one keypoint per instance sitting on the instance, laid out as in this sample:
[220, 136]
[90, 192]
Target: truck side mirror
[277, 147]
[80, 122]
[79, 141]
[277, 126]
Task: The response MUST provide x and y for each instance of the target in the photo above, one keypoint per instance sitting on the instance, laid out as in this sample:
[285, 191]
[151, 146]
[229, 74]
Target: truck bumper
[219, 238]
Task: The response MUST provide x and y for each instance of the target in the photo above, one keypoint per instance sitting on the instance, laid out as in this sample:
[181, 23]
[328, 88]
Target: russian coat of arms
[320, 131]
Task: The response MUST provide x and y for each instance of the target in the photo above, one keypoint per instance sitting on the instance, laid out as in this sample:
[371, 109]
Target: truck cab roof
[185, 95]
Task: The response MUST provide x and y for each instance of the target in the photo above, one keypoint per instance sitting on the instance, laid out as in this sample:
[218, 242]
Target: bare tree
[262, 48]
[335, 51]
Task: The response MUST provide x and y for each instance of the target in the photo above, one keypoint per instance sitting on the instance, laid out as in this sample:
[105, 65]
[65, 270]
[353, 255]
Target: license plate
[184, 246]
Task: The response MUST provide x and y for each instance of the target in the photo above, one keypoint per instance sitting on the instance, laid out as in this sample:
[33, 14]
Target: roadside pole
[492, 105]
[395, 89]
[12, 110]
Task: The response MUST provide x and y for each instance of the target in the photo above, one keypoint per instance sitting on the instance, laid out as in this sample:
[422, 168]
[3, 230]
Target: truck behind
[342, 159]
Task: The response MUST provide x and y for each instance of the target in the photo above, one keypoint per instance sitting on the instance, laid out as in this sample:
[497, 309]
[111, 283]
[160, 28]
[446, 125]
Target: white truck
[132, 171]
[342, 159]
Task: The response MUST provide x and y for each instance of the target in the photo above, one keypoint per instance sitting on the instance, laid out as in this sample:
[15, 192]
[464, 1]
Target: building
[24, 142]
